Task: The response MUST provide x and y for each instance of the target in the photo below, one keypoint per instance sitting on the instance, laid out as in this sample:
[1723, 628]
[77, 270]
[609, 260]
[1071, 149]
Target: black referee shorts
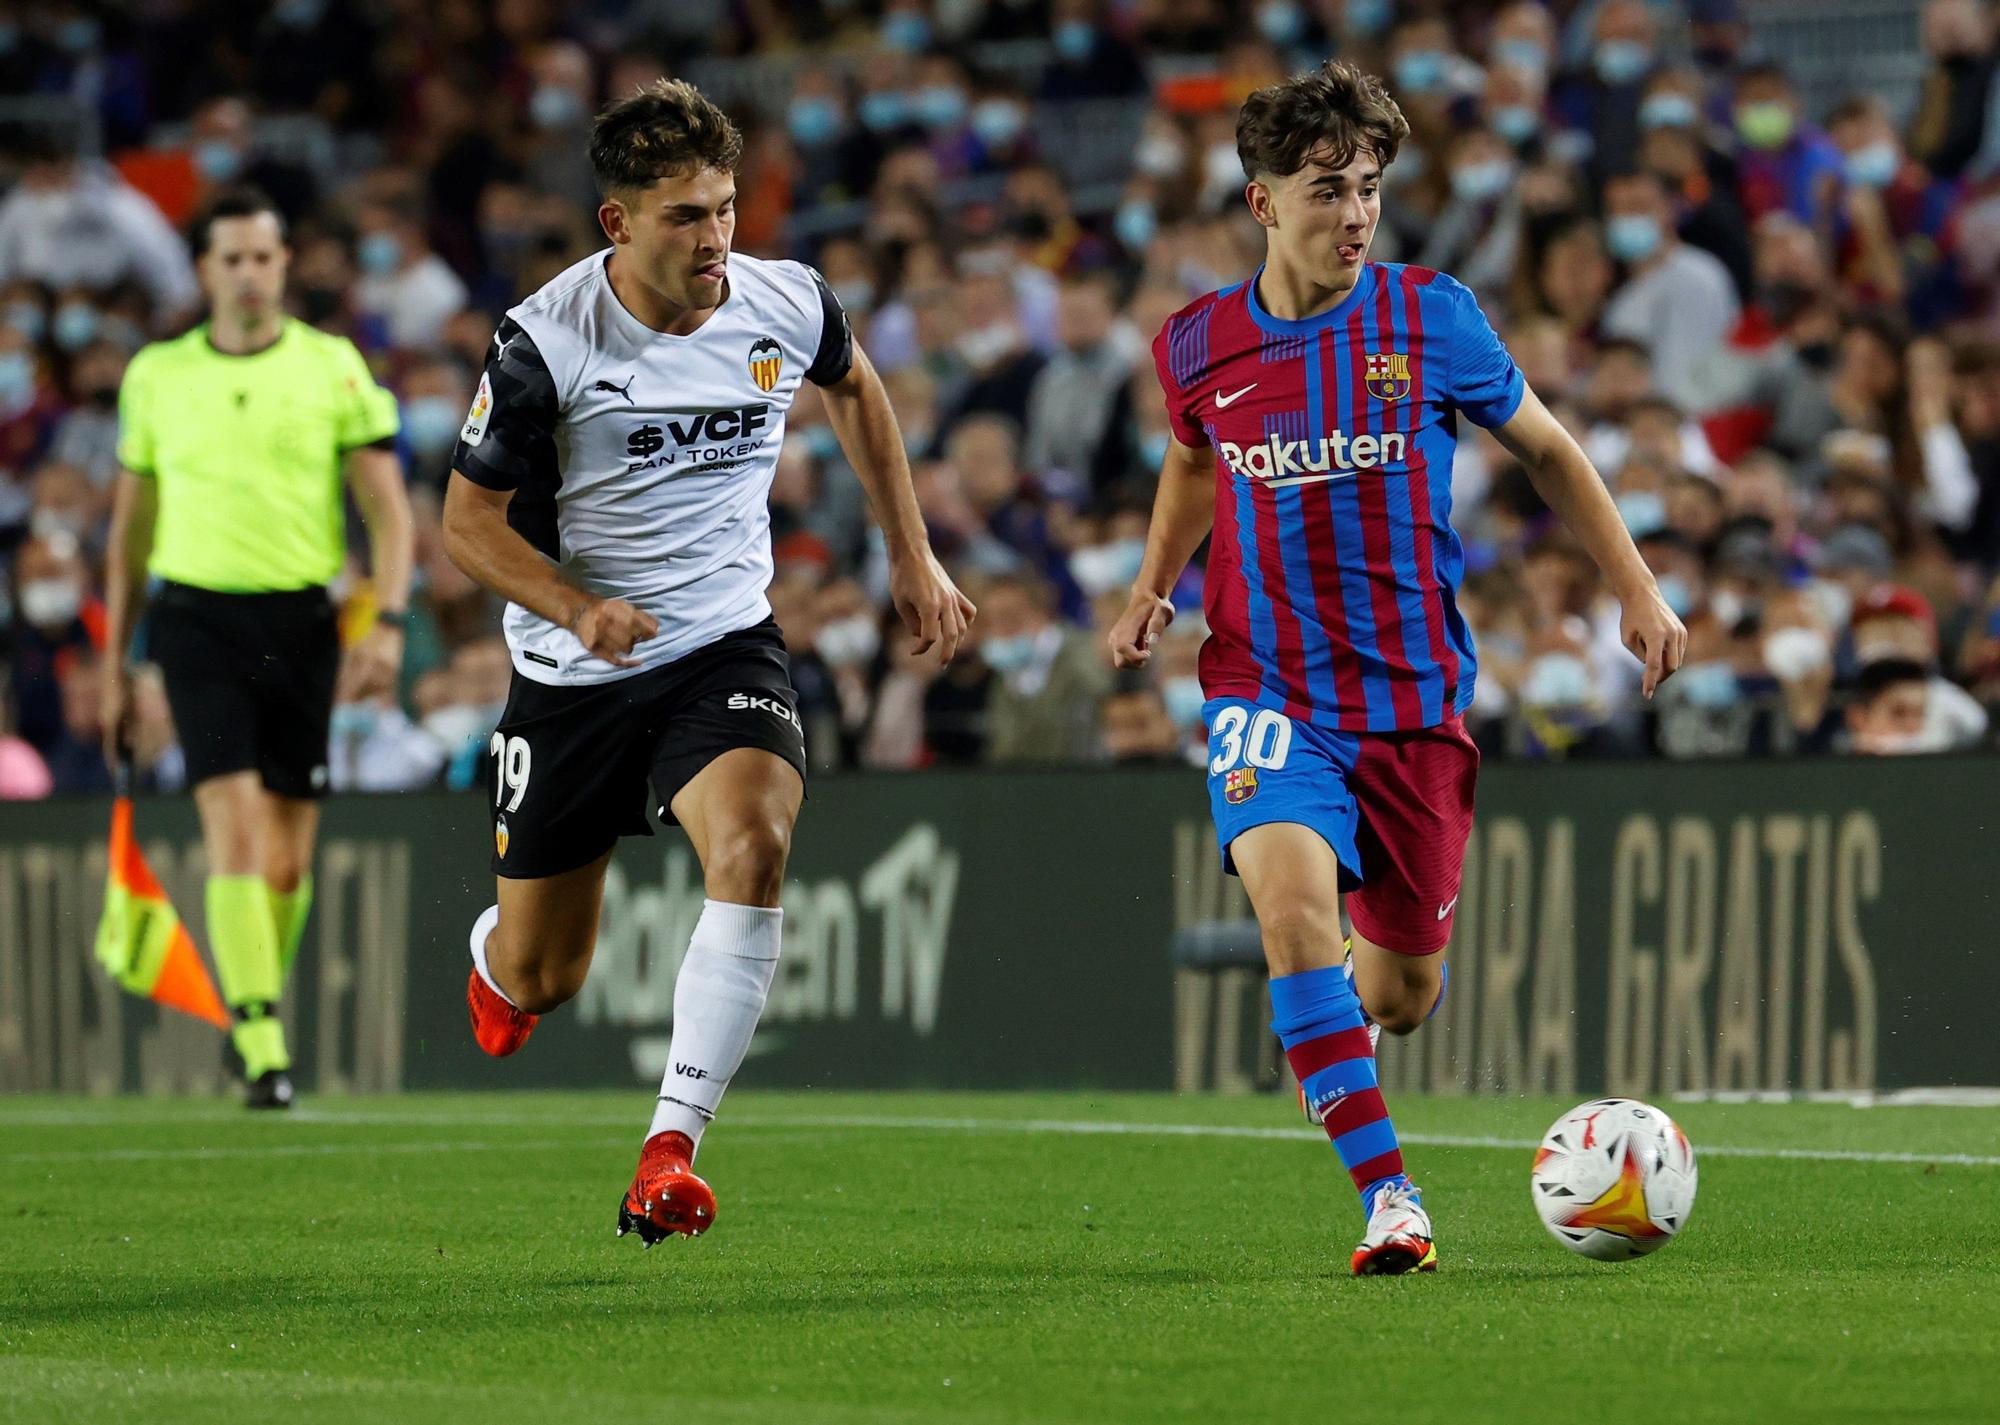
[571, 764]
[250, 680]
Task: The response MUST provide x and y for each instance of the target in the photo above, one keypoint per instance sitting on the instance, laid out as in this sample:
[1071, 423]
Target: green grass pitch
[962, 1258]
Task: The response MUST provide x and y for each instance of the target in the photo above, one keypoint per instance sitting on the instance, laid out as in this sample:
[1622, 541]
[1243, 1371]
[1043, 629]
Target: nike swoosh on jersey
[1222, 401]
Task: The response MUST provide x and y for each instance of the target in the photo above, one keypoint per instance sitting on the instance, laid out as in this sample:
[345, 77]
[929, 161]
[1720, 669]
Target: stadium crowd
[1775, 328]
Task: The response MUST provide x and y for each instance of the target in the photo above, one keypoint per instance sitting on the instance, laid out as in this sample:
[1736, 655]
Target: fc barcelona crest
[1239, 786]
[1388, 375]
[766, 361]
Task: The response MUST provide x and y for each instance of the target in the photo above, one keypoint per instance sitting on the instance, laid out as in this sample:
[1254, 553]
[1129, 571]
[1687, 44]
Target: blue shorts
[1396, 807]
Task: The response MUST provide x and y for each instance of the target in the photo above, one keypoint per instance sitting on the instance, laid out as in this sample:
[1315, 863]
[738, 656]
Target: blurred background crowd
[1749, 251]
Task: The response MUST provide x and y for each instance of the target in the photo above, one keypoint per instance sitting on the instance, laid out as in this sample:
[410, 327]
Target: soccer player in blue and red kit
[1314, 412]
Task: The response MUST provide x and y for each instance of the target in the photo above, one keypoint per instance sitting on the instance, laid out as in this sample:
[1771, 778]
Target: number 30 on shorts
[1263, 740]
[511, 764]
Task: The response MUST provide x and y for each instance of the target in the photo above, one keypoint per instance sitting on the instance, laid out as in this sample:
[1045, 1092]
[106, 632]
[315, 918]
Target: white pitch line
[1420, 1140]
[890, 1123]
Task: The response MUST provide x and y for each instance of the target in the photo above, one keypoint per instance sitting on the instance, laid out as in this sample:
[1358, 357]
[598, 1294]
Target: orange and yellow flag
[141, 942]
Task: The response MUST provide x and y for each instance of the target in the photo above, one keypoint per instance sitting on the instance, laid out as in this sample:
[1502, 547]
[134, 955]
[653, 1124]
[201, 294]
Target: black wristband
[394, 619]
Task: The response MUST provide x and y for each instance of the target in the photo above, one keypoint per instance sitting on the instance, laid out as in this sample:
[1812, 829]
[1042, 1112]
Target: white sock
[489, 920]
[720, 993]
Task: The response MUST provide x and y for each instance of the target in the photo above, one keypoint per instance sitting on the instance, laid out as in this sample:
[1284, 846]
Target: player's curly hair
[1337, 106]
[669, 129]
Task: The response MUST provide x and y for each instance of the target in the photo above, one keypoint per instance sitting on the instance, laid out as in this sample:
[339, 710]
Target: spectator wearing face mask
[848, 640]
[1050, 677]
[1896, 220]
[993, 368]
[1676, 301]
[560, 108]
[1602, 98]
[1477, 233]
[54, 615]
[433, 403]
[1699, 172]
[1783, 163]
[1797, 650]
[1889, 714]
[223, 152]
[372, 746]
[1560, 712]
[1111, 562]
[404, 286]
[1895, 624]
[1091, 60]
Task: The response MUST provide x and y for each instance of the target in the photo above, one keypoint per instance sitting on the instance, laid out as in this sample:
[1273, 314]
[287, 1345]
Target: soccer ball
[1614, 1179]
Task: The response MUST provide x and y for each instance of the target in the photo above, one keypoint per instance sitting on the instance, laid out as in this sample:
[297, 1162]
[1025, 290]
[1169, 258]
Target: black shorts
[570, 764]
[250, 680]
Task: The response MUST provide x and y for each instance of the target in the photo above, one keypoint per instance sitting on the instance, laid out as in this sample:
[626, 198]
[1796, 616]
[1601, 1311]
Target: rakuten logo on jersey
[1278, 461]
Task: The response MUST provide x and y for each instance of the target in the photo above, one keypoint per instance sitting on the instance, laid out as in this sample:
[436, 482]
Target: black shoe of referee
[270, 1089]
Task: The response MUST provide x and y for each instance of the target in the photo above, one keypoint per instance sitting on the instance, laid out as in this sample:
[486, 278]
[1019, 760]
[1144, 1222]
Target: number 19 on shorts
[512, 763]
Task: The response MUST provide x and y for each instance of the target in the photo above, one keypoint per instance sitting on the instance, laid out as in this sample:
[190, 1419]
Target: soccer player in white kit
[612, 482]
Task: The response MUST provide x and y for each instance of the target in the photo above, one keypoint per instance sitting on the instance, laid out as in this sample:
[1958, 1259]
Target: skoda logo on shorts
[500, 837]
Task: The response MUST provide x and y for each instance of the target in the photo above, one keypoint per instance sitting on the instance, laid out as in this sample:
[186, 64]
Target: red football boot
[497, 1025]
[666, 1197]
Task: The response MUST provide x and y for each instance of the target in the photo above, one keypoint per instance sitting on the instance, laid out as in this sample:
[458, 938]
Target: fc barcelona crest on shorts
[1239, 786]
[500, 838]
[766, 360]
[1388, 375]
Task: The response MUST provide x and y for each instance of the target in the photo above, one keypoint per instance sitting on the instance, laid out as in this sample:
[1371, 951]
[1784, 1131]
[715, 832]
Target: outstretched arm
[1564, 477]
[858, 409]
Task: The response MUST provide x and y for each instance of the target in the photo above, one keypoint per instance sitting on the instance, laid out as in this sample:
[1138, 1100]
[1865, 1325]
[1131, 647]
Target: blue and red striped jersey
[1333, 571]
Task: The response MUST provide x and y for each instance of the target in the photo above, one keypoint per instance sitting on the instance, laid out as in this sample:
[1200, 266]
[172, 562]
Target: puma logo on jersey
[625, 390]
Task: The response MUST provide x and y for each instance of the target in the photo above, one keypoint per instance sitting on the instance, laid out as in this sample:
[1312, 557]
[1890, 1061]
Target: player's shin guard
[1318, 1019]
[244, 937]
[719, 995]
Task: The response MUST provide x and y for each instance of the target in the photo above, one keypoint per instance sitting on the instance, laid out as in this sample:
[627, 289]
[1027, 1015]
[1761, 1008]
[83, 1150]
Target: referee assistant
[234, 440]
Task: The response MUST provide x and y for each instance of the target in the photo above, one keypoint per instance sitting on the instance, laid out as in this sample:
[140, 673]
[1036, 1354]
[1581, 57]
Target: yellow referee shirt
[246, 455]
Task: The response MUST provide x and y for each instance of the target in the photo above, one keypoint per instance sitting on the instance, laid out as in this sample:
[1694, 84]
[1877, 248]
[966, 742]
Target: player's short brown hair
[669, 129]
[1337, 106]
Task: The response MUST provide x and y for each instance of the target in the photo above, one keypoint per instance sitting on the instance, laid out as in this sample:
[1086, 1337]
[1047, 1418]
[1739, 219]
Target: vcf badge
[1387, 375]
[500, 838]
[767, 359]
[1239, 786]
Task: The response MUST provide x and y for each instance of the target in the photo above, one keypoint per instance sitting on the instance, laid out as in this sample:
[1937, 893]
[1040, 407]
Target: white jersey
[641, 462]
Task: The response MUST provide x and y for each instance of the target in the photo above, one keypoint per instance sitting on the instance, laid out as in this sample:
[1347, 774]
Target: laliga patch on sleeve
[481, 412]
